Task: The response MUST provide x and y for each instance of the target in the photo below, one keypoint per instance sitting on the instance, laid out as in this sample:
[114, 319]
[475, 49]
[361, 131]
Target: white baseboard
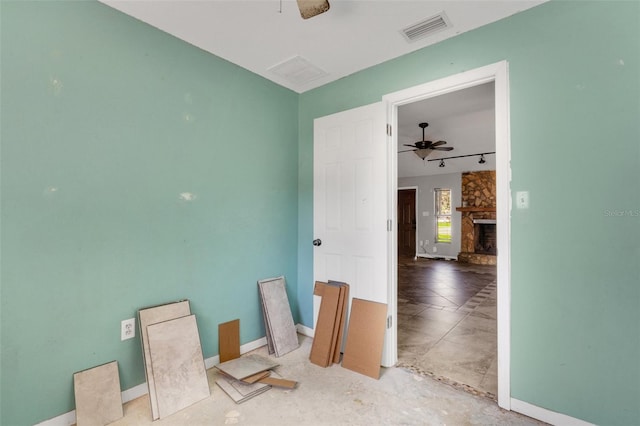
[545, 415]
[134, 392]
[68, 419]
[304, 330]
[435, 256]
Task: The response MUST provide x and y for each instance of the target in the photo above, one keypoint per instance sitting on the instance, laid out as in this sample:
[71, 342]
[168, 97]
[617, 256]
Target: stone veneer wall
[479, 189]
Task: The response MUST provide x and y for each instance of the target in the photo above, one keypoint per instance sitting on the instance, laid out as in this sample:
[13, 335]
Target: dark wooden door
[407, 222]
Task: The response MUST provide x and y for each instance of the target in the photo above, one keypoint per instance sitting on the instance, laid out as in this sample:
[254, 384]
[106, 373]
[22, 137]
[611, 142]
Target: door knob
[317, 242]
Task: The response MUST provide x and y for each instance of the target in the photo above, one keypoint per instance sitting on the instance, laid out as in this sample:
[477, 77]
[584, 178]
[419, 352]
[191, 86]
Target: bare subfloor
[336, 396]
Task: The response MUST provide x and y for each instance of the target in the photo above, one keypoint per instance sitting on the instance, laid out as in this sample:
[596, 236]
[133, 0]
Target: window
[443, 215]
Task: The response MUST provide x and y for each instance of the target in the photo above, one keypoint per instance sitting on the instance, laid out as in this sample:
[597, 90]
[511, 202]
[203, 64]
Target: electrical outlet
[127, 329]
[435, 249]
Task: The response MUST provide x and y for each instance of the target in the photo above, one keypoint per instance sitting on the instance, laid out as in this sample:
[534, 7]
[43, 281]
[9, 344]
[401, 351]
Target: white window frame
[437, 214]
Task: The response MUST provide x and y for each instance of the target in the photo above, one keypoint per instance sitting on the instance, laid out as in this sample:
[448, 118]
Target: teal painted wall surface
[105, 123]
[575, 140]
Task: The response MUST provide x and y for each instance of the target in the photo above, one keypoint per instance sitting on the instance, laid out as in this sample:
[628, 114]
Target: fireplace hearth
[485, 237]
[479, 237]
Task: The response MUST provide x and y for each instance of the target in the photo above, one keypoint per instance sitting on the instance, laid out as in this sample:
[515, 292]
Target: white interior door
[350, 202]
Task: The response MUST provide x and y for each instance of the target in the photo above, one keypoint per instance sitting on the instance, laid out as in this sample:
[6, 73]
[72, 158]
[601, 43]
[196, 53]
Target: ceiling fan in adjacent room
[423, 148]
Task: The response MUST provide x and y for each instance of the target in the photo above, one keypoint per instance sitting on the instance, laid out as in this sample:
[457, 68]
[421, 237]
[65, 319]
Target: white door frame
[417, 221]
[499, 73]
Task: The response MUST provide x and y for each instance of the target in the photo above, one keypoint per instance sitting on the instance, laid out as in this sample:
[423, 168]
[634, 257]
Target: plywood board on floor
[97, 395]
[281, 383]
[229, 340]
[153, 315]
[279, 318]
[343, 303]
[177, 363]
[245, 366]
[324, 336]
[365, 337]
[254, 378]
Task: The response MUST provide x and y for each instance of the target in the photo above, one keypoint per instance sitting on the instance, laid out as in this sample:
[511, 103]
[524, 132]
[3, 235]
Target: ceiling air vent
[426, 27]
[297, 70]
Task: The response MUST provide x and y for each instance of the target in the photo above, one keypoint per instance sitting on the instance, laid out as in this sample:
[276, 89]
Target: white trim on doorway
[417, 222]
[498, 73]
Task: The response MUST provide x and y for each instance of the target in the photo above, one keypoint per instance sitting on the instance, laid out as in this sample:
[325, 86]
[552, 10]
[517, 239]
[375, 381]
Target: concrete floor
[447, 322]
[336, 396]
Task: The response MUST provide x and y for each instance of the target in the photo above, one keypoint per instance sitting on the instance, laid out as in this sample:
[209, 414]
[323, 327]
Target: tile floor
[447, 324]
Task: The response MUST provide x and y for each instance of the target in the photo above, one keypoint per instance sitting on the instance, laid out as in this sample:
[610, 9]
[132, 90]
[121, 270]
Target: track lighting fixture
[481, 155]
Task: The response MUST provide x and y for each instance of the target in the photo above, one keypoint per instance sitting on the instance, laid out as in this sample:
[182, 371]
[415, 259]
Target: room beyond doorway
[407, 224]
[447, 322]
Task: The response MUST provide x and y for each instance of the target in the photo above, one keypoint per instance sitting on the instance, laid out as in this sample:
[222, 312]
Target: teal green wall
[137, 118]
[575, 140]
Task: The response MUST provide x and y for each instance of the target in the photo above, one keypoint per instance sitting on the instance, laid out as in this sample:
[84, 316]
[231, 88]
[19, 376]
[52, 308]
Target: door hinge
[389, 321]
[389, 225]
[388, 129]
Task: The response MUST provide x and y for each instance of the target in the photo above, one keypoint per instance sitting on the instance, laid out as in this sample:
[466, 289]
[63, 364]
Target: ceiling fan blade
[438, 143]
[311, 8]
[442, 148]
[408, 150]
[411, 145]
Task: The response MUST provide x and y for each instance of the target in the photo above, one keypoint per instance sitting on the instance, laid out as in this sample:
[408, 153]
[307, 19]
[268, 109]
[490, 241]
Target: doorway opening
[407, 222]
[497, 74]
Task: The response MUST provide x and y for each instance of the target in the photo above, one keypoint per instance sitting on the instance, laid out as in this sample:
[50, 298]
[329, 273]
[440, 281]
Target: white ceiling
[465, 119]
[351, 36]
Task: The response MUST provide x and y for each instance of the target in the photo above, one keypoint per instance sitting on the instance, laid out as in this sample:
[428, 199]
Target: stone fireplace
[479, 237]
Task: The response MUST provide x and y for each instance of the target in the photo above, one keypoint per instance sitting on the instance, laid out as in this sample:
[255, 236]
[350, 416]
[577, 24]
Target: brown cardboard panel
[97, 394]
[229, 340]
[342, 319]
[153, 315]
[365, 337]
[318, 290]
[336, 323]
[282, 383]
[256, 377]
[321, 349]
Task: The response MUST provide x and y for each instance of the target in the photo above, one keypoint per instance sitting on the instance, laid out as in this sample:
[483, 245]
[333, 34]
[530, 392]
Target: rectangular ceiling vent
[297, 70]
[426, 27]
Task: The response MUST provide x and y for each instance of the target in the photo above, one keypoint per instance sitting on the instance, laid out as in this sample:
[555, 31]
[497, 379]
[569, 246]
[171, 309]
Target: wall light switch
[425, 214]
[522, 199]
